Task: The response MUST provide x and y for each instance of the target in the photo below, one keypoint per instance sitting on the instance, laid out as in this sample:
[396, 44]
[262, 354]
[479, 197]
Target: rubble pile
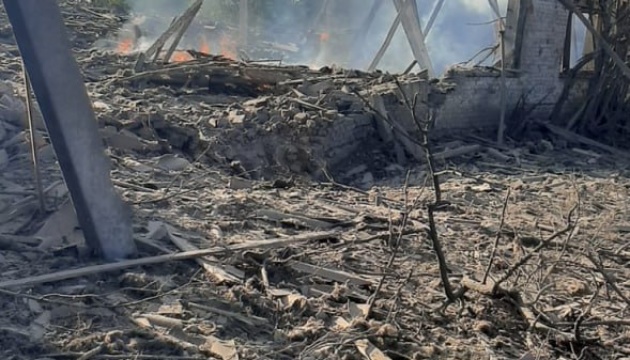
[293, 179]
[297, 120]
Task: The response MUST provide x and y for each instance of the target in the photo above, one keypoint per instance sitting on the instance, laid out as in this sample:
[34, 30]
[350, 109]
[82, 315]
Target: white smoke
[462, 28]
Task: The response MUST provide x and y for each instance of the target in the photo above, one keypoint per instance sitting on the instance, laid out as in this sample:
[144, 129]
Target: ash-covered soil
[324, 247]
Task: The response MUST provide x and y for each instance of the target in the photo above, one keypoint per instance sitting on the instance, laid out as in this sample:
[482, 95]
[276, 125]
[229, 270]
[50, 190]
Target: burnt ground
[177, 157]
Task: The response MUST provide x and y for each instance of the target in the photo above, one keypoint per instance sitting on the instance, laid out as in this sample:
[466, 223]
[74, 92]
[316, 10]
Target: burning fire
[125, 46]
[181, 56]
[228, 47]
[324, 37]
[204, 48]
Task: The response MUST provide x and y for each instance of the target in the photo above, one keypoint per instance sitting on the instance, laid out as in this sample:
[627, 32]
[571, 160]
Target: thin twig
[423, 128]
[609, 279]
[580, 319]
[32, 134]
[392, 258]
[439, 253]
[543, 244]
[498, 237]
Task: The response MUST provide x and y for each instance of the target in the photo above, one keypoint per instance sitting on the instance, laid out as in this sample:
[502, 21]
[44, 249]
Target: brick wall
[466, 98]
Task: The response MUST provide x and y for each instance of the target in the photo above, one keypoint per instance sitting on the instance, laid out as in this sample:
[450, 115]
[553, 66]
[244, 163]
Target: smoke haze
[461, 30]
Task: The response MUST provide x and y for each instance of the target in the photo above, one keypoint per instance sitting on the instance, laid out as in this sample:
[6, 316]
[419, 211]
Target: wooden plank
[330, 274]
[573, 137]
[566, 51]
[511, 26]
[176, 25]
[187, 255]
[183, 27]
[410, 21]
[369, 351]
[434, 14]
[222, 274]
[601, 42]
[522, 6]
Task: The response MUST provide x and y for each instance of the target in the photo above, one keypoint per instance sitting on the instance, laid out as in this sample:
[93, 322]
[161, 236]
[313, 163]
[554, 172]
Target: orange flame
[324, 37]
[228, 47]
[125, 46]
[181, 56]
[204, 48]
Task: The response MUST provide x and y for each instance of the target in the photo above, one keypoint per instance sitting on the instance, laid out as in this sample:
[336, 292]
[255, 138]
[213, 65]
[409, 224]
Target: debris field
[274, 223]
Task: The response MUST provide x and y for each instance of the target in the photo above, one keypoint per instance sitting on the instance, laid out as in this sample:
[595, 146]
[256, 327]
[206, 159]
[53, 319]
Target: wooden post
[566, 51]
[410, 21]
[434, 14]
[510, 25]
[501, 134]
[392, 31]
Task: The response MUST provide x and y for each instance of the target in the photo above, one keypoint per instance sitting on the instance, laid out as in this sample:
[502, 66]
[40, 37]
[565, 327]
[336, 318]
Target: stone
[301, 117]
[331, 114]
[170, 162]
[236, 117]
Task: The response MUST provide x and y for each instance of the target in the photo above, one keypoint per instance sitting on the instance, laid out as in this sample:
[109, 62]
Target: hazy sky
[461, 30]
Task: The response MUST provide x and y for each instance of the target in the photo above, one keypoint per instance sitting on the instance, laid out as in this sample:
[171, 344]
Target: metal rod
[31, 131]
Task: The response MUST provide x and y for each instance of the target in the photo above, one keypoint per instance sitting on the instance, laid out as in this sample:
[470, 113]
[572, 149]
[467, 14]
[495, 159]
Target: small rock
[237, 183]
[172, 163]
[236, 117]
[99, 105]
[331, 114]
[301, 117]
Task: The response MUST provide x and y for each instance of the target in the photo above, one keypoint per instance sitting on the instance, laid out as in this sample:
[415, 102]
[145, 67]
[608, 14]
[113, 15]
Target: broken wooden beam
[625, 70]
[187, 255]
[182, 22]
[410, 21]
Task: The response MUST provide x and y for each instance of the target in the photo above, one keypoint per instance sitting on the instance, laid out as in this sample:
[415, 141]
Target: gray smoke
[459, 32]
